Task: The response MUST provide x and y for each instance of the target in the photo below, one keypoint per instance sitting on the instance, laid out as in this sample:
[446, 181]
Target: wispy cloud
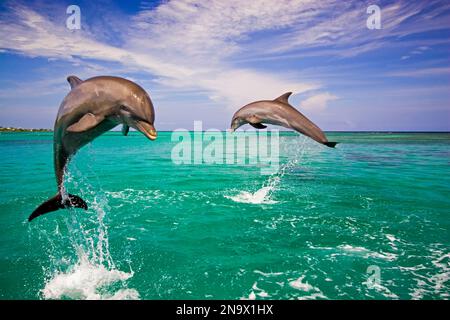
[27, 32]
[39, 88]
[208, 36]
[339, 28]
[424, 72]
[318, 102]
[215, 29]
[418, 51]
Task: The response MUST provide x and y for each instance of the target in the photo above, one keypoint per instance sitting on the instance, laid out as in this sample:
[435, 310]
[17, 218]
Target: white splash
[268, 274]
[88, 281]
[261, 196]
[300, 285]
[382, 290]
[313, 296]
[349, 248]
[366, 253]
[259, 292]
[315, 293]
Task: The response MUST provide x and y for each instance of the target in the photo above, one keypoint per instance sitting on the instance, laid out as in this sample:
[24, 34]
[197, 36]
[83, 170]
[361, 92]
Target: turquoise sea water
[367, 220]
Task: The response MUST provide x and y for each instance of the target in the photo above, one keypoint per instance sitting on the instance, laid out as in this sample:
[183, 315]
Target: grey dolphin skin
[278, 112]
[91, 108]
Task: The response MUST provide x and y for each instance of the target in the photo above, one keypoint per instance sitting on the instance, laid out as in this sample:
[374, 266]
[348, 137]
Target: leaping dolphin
[278, 112]
[91, 108]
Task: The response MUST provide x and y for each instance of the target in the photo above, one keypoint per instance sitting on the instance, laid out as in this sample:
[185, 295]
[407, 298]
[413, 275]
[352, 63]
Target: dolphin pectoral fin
[258, 125]
[73, 81]
[56, 203]
[125, 129]
[88, 121]
[255, 122]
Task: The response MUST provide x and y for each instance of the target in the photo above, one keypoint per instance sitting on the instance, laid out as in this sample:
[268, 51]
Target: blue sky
[202, 60]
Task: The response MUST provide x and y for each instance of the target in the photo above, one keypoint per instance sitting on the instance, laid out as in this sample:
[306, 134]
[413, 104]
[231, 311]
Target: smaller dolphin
[91, 108]
[278, 112]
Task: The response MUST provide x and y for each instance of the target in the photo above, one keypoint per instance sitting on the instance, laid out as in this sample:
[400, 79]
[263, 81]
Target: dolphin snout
[235, 123]
[147, 129]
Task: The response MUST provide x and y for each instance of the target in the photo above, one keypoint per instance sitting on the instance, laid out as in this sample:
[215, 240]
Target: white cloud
[173, 54]
[40, 87]
[34, 35]
[214, 28]
[245, 86]
[339, 28]
[424, 72]
[317, 102]
[420, 50]
[206, 36]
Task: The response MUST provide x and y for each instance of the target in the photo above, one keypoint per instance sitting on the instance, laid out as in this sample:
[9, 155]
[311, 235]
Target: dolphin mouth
[147, 129]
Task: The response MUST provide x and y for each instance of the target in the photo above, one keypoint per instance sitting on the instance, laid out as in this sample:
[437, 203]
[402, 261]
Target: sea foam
[88, 281]
[261, 196]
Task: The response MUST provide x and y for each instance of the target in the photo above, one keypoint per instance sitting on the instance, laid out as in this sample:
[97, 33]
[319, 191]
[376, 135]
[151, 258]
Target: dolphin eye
[125, 108]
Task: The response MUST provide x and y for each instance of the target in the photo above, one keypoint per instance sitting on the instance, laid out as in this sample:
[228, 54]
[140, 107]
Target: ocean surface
[367, 220]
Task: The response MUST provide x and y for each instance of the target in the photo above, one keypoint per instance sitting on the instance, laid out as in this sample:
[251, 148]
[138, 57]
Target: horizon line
[224, 130]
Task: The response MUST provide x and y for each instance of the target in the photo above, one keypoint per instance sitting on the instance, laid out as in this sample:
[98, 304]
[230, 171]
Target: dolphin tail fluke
[56, 203]
[331, 144]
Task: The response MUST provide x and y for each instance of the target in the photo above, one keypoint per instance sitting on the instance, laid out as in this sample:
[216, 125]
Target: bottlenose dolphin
[278, 112]
[91, 108]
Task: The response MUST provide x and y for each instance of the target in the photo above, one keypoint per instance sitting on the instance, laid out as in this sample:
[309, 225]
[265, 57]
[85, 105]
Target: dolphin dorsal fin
[284, 97]
[73, 81]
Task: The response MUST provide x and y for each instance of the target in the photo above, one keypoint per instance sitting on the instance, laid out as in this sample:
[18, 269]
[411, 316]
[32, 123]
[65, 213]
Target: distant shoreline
[12, 129]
